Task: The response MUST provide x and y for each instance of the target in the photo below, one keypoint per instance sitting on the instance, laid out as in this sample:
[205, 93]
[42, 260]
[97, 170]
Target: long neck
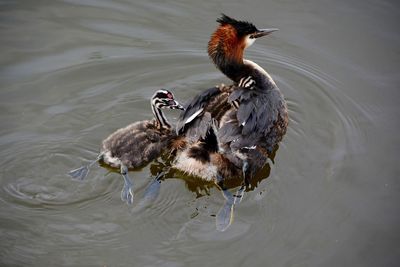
[234, 70]
[227, 54]
[161, 120]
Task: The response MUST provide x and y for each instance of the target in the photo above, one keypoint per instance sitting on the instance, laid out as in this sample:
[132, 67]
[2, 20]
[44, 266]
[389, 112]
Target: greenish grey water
[71, 72]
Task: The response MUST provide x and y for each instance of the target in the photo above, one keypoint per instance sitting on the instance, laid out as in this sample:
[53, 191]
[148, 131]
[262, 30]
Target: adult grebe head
[228, 42]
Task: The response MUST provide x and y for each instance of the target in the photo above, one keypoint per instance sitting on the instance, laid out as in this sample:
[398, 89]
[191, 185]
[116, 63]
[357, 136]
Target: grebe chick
[138, 143]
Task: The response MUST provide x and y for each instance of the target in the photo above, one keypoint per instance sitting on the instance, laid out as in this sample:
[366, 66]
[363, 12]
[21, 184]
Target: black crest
[242, 27]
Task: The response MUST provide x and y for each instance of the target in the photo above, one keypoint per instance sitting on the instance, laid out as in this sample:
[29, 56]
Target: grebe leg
[226, 194]
[245, 168]
[239, 194]
[83, 171]
[127, 190]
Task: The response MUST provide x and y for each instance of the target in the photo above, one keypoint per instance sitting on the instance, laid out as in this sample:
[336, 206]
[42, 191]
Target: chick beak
[263, 32]
[176, 105]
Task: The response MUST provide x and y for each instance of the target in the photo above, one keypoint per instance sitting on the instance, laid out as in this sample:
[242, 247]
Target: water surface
[71, 72]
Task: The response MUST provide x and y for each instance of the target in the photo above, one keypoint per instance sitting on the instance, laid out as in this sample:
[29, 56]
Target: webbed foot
[153, 189]
[151, 192]
[127, 190]
[224, 217]
[79, 173]
[83, 171]
[127, 194]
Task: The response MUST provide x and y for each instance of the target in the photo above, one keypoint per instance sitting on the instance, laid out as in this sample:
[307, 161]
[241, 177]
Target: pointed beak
[263, 32]
[176, 105]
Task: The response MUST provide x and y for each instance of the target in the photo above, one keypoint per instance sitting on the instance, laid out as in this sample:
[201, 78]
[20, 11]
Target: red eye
[170, 96]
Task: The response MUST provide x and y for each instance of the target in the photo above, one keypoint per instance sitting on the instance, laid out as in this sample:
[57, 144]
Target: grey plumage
[258, 113]
[197, 104]
[136, 144]
[144, 141]
[251, 114]
[263, 113]
[139, 142]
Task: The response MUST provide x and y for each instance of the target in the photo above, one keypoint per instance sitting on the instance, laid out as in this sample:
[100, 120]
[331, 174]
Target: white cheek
[249, 41]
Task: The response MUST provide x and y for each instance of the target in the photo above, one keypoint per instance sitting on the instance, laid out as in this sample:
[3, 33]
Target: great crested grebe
[137, 143]
[245, 120]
